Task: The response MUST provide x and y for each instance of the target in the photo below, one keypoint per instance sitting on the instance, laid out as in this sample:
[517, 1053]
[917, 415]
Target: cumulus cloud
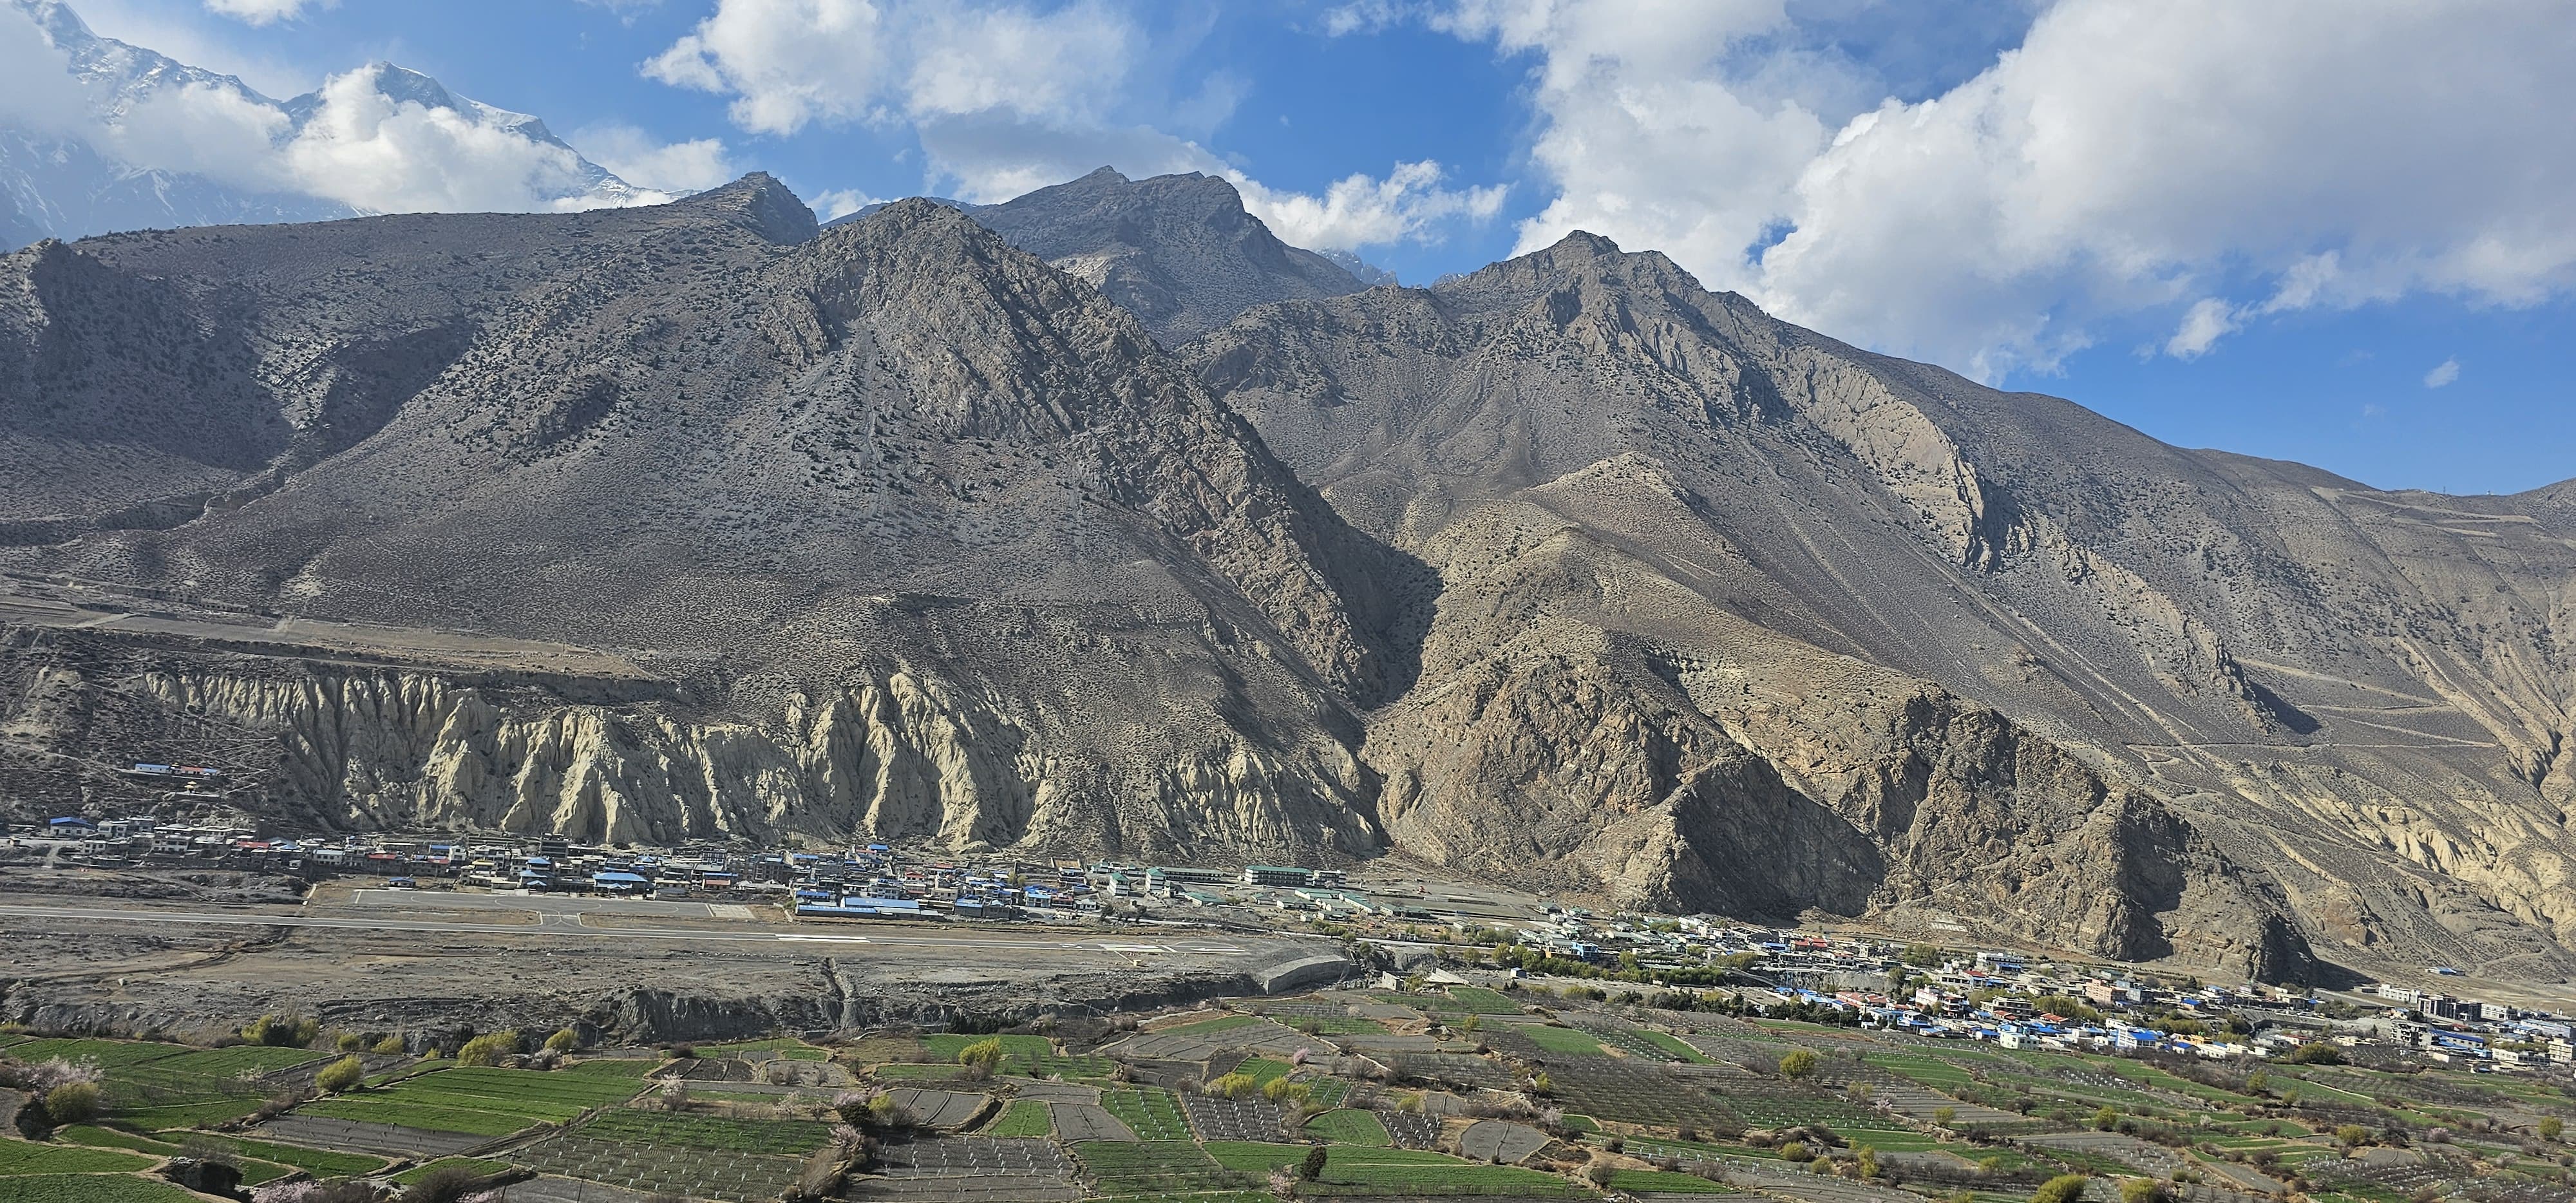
[1006, 98]
[1356, 211]
[264, 12]
[2208, 320]
[2216, 160]
[638, 158]
[2443, 373]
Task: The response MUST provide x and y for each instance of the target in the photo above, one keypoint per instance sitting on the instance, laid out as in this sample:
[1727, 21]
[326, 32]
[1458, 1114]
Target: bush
[2064, 1188]
[2105, 1119]
[2142, 1190]
[1795, 1151]
[983, 1056]
[1232, 1085]
[1799, 1063]
[2317, 1052]
[1944, 1116]
[1312, 1167]
[563, 1042]
[391, 1046]
[340, 1075]
[2353, 1135]
[282, 1031]
[349, 1042]
[489, 1049]
[2551, 1127]
[75, 1102]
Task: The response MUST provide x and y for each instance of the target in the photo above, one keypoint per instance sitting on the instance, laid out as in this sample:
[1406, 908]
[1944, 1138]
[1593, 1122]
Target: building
[1277, 876]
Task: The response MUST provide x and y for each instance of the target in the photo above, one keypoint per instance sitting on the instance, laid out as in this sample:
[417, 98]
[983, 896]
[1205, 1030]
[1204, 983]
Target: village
[1411, 930]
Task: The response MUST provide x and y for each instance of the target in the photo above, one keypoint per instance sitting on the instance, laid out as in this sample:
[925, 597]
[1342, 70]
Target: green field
[1673, 1045]
[1026, 1056]
[18, 1157]
[1210, 1027]
[1156, 1167]
[658, 1129]
[1563, 1040]
[1148, 1110]
[110, 1138]
[479, 1101]
[94, 1188]
[1024, 1117]
[320, 1163]
[1349, 1127]
[160, 1086]
[1393, 1170]
[632, 1067]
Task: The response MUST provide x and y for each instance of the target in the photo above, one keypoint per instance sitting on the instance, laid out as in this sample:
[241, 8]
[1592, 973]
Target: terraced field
[477, 1100]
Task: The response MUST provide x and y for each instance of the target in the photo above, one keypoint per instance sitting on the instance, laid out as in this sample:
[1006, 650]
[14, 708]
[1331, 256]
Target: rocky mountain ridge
[1566, 572]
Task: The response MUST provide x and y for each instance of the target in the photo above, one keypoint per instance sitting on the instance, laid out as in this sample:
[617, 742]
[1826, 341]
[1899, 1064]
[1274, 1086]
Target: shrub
[2551, 1127]
[1231, 1085]
[282, 1031]
[391, 1046]
[349, 1042]
[983, 1056]
[1945, 1116]
[2317, 1052]
[2142, 1190]
[491, 1048]
[2105, 1119]
[1799, 1063]
[1312, 1167]
[2064, 1188]
[563, 1042]
[75, 1102]
[1795, 1151]
[2353, 1135]
[1279, 1090]
[341, 1075]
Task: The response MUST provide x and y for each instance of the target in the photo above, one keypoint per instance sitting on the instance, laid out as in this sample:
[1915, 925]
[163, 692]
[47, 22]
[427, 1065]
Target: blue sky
[2263, 231]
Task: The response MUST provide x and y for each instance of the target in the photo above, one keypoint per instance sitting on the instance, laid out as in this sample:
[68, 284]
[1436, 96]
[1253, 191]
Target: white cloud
[1006, 98]
[841, 202]
[1356, 211]
[638, 158]
[264, 12]
[2443, 373]
[376, 154]
[2128, 156]
[2208, 320]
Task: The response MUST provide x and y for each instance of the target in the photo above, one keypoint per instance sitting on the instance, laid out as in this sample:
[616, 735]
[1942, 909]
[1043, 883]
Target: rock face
[1731, 615]
[926, 538]
[693, 521]
[1178, 251]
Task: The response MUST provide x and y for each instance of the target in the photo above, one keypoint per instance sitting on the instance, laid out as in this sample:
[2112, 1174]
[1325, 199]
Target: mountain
[695, 521]
[126, 138]
[1178, 251]
[667, 523]
[1731, 615]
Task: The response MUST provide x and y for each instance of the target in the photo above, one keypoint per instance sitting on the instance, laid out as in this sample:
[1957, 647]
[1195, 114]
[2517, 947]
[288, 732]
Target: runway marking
[727, 910]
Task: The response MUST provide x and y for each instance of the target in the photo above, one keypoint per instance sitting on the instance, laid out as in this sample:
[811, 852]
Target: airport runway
[569, 926]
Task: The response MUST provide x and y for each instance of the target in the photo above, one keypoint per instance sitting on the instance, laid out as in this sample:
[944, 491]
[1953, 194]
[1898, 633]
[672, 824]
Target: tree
[391, 1046]
[349, 1042]
[1799, 1063]
[1542, 1084]
[74, 1102]
[2317, 1052]
[2105, 1119]
[1944, 1116]
[491, 1048]
[1312, 1168]
[983, 1056]
[2064, 1188]
[563, 1041]
[1794, 1151]
[2142, 1190]
[1867, 1160]
[2551, 1127]
[2258, 1083]
[2353, 1135]
[282, 1031]
[340, 1075]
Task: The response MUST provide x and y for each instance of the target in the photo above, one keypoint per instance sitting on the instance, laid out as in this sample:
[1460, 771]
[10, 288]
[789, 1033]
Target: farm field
[1563, 1101]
